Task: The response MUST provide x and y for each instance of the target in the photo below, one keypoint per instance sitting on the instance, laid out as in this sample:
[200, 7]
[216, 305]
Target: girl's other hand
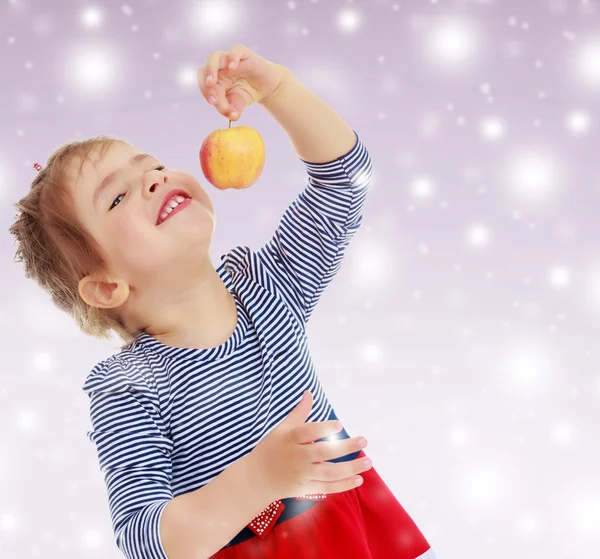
[288, 463]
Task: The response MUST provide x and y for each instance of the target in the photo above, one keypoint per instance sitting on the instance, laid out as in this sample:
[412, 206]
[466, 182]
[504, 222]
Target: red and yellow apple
[232, 157]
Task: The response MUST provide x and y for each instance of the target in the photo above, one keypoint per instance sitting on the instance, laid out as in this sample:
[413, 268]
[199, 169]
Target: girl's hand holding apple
[235, 157]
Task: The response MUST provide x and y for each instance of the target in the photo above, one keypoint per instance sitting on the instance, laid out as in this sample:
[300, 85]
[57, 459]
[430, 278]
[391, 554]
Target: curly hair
[54, 246]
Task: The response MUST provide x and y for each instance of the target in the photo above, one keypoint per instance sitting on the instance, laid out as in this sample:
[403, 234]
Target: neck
[196, 313]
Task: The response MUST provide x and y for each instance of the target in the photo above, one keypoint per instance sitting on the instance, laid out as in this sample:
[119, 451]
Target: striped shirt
[168, 420]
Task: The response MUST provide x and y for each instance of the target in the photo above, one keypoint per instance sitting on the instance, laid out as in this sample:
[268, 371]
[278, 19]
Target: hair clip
[37, 167]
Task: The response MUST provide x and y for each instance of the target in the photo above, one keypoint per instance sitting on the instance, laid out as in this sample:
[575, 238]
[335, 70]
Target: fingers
[236, 54]
[217, 60]
[314, 430]
[329, 450]
[208, 76]
[329, 487]
[339, 471]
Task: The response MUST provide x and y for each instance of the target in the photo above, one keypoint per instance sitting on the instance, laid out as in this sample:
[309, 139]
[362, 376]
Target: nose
[152, 183]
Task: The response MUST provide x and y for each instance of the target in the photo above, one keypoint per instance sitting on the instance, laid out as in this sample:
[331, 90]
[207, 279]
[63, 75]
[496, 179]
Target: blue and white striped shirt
[168, 420]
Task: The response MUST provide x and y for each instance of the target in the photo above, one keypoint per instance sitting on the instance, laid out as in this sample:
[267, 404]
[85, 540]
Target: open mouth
[174, 202]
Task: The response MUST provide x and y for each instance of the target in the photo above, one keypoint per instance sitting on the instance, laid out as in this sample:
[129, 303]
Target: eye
[159, 168]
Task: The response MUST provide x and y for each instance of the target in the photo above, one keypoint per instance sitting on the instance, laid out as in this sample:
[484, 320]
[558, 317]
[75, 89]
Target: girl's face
[119, 199]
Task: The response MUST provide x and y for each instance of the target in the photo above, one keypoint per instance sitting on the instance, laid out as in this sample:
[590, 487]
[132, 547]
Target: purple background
[460, 334]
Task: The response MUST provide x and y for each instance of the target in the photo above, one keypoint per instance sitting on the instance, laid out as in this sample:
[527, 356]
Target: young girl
[212, 429]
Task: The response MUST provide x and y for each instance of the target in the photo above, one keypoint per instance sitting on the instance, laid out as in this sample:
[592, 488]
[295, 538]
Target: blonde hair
[54, 246]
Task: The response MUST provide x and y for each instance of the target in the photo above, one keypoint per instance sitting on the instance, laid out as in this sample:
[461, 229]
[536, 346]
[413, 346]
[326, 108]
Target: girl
[200, 421]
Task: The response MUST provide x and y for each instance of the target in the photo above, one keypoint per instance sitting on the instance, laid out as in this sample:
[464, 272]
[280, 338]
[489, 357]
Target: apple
[232, 157]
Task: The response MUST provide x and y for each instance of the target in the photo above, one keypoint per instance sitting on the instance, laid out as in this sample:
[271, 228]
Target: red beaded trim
[264, 522]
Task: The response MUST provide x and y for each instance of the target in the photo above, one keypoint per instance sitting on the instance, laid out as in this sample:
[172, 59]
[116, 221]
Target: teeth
[170, 205]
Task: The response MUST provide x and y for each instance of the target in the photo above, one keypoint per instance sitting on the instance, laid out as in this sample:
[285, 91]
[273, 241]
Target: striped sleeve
[134, 456]
[310, 241]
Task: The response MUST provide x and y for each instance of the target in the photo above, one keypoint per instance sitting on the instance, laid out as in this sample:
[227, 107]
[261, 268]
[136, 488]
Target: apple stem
[230, 124]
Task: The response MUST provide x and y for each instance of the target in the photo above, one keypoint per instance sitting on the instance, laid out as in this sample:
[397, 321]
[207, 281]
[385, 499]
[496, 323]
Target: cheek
[190, 183]
[205, 201]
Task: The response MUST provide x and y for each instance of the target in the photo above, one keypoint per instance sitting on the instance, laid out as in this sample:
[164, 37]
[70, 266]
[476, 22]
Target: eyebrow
[111, 177]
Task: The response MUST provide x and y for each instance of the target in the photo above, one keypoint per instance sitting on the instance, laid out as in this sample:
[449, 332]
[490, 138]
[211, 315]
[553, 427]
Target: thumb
[300, 413]
[237, 103]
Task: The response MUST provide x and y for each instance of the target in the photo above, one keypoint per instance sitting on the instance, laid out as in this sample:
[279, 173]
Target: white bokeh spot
[92, 17]
[91, 539]
[559, 277]
[533, 176]
[478, 235]
[8, 522]
[188, 77]
[372, 353]
[371, 264]
[453, 41]
[349, 20]
[27, 420]
[578, 122]
[528, 370]
[587, 62]
[42, 361]
[492, 128]
[217, 16]
[422, 187]
[92, 69]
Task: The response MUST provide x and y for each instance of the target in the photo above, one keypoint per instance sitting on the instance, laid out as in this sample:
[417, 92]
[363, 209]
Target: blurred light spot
[27, 420]
[372, 353]
[562, 434]
[348, 20]
[372, 264]
[559, 277]
[478, 235]
[42, 361]
[533, 175]
[528, 369]
[92, 17]
[92, 68]
[91, 538]
[422, 187]
[453, 41]
[578, 122]
[188, 77]
[587, 62]
[492, 128]
[8, 522]
[217, 16]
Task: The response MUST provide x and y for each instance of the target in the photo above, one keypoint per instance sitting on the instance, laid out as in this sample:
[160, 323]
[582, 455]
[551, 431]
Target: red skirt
[363, 523]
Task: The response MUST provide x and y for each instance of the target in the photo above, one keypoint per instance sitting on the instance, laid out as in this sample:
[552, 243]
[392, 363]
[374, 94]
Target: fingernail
[362, 442]
[233, 115]
[208, 78]
[367, 463]
[232, 64]
[212, 100]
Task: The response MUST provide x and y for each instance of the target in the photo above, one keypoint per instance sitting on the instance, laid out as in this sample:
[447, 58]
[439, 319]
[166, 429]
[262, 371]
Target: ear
[103, 294]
